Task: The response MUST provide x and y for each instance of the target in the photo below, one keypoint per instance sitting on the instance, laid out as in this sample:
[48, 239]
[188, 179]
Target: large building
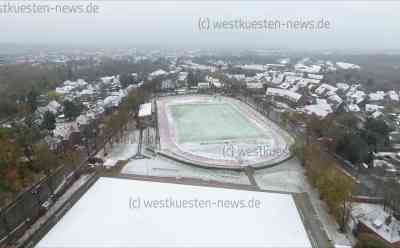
[130, 213]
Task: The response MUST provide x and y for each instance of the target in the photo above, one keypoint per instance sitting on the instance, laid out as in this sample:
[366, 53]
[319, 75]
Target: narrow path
[315, 230]
[250, 174]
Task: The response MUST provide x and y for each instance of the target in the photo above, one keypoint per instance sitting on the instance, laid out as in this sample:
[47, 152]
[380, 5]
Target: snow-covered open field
[219, 132]
[211, 122]
[112, 214]
[124, 149]
[288, 176]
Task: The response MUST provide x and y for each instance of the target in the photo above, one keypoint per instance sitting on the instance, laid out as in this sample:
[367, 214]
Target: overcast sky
[370, 25]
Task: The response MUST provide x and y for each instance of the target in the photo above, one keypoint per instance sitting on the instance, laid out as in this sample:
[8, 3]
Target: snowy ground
[161, 167]
[113, 214]
[288, 177]
[122, 150]
[219, 132]
[127, 147]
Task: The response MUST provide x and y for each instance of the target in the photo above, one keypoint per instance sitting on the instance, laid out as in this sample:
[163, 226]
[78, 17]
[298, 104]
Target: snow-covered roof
[109, 79]
[353, 108]
[90, 90]
[343, 86]
[214, 81]
[236, 76]
[284, 61]
[52, 141]
[131, 87]
[323, 88]
[145, 109]
[64, 89]
[307, 81]
[335, 98]
[309, 69]
[111, 101]
[217, 84]
[277, 79]
[157, 73]
[68, 86]
[393, 95]
[64, 130]
[290, 95]
[182, 76]
[374, 216]
[53, 106]
[256, 67]
[83, 119]
[292, 73]
[293, 78]
[120, 93]
[347, 66]
[285, 85]
[376, 96]
[254, 85]
[168, 84]
[98, 109]
[194, 66]
[110, 163]
[356, 95]
[315, 76]
[372, 107]
[376, 114]
[153, 214]
[257, 77]
[330, 66]
[321, 108]
[77, 83]
[203, 85]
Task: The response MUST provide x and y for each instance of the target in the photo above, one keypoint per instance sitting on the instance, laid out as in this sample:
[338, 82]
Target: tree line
[350, 137]
[21, 85]
[25, 157]
[335, 188]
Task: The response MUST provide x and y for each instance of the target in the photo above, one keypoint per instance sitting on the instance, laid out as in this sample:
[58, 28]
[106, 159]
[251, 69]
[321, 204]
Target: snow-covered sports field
[219, 132]
[211, 122]
[130, 213]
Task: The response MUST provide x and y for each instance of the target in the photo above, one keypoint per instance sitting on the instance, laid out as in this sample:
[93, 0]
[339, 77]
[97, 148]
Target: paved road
[314, 228]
